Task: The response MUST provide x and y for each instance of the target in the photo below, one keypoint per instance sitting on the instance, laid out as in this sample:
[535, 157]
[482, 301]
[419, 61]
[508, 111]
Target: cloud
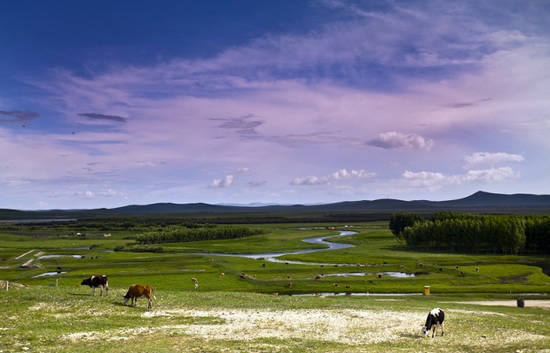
[18, 116]
[227, 181]
[310, 180]
[308, 98]
[435, 180]
[457, 105]
[87, 194]
[96, 116]
[242, 124]
[489, 175]
[243, 170]
[257, 183]
[102, 193]
[394, 139]
[338, 175]
[491, 158]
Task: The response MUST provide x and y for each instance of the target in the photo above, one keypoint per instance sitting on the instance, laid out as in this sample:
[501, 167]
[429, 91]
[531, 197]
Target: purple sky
[318, 102]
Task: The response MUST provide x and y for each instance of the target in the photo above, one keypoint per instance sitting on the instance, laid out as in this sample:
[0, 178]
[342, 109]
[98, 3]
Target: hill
[479, 202]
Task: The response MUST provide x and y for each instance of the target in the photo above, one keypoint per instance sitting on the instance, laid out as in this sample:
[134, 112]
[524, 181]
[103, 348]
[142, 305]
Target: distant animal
[96, 281]
[289, 284]
[195, 282]
[139, 290]
[477, 268]
[318, 277]
[222, 274]
[263, 265]
[435, 319]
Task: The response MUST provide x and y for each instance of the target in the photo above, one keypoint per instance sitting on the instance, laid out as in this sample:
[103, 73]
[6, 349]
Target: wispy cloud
[225, 182]
[258, 183]
[491, 158]
[18, 116]
[97, 116]
[394, 139]
[338, 175]
[435, 180]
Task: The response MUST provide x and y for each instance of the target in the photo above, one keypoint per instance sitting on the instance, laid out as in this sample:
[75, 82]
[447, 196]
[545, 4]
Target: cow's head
[86, 282]
[425, 331]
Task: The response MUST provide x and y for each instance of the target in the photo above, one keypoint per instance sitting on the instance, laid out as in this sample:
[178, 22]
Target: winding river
[274, 256]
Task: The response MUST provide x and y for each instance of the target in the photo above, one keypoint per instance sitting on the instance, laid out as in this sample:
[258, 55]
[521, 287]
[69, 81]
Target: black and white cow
[97, 281]
[435, 319]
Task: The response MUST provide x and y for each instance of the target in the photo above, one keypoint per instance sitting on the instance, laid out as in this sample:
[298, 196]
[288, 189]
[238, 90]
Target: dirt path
[528, 303]
[20, 256]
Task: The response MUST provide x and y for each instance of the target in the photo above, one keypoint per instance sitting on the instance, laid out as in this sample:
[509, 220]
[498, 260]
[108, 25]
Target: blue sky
[112, 103]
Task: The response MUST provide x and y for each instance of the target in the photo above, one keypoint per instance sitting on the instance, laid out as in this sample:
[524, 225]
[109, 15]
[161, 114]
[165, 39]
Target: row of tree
[174, 234]
[474, 233]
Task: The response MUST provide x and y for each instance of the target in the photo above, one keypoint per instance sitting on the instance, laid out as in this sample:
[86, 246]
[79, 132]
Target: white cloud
[222, 183]
[310, 180]
[488, 158]
[488, 175]
[337, 175]
[394, 139]
[435, 180]
[243, 170]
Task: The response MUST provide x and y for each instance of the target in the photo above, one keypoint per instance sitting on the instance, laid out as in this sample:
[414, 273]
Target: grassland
[239, 312]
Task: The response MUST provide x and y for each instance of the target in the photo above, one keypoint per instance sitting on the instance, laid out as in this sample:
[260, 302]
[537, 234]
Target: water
[80, 248]
[38, 220]
[274, 256]
[55, 255]
[360, 274]
[48, 274]
[359, 294]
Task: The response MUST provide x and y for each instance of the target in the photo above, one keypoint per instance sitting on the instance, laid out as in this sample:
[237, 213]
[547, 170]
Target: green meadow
[245, 304]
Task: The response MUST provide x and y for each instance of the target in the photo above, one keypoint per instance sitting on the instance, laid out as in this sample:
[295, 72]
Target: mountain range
[479, 202]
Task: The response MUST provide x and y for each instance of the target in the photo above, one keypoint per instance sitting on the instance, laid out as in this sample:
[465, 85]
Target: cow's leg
[442, 328]
[150, 305]
[106, 288]
[93, 291]
[434, 330]
[100, 290]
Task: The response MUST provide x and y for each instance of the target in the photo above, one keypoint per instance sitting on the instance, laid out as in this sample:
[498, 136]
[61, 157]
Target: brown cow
[139, 290]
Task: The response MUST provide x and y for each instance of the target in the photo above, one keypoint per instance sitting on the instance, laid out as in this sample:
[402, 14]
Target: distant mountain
[479, 202]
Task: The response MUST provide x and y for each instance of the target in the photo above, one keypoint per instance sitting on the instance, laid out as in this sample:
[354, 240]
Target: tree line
[504, 234]
[174, 234]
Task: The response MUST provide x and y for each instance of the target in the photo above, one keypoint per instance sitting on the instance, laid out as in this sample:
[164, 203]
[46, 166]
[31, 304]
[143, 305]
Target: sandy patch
[472, 312]
[346, 326]
[355, 327]
[528, 303]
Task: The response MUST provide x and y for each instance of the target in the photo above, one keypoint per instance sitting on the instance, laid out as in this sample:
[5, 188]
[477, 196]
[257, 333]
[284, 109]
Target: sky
[104, 104]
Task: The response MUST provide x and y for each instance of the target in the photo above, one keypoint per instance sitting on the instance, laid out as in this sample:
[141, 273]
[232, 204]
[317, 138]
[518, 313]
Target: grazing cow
[97, 281]
[195, 282]
[139, 290]
[435, 319]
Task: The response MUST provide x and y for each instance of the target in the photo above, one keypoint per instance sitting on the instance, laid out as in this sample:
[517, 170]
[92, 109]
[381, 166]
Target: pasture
[240, 303]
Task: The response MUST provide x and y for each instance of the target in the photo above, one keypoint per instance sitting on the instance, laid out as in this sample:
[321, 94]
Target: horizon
[110, 104]
[267, 204]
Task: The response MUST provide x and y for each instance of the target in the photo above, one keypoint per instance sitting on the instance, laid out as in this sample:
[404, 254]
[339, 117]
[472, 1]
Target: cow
[97, 281]
[139, 290]
[435, 318]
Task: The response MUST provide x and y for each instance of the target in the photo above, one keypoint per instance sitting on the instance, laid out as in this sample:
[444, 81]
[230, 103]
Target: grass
[238, 312]
[45, 319]
[376, 251]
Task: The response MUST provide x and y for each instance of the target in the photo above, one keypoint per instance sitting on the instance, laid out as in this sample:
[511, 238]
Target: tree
[400, 220]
